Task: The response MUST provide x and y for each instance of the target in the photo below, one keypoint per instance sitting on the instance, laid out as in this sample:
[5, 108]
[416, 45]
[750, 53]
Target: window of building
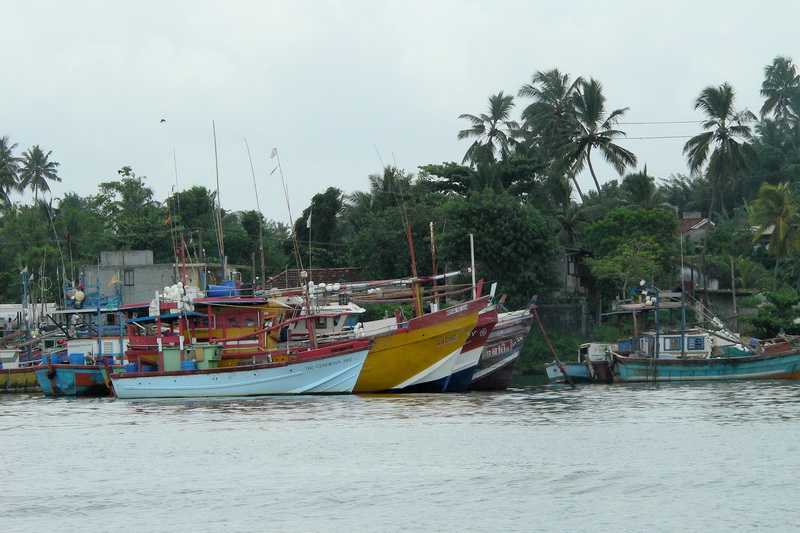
[128, 278]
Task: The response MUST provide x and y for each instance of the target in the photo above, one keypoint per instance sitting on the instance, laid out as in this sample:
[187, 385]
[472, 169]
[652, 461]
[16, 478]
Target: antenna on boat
[258, 206]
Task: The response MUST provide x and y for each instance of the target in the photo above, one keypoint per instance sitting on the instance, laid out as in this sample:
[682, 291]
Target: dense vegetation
[515, 190]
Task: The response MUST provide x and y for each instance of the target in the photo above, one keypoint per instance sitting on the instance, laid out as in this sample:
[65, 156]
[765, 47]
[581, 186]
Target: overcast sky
[342, 87]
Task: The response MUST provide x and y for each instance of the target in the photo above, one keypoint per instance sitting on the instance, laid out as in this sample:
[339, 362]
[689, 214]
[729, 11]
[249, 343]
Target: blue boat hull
[578, 372]
[72, 380]
[460, 381]
[775, 366]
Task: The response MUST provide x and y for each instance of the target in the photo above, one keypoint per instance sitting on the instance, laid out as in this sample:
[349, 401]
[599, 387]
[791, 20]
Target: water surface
[670, 457]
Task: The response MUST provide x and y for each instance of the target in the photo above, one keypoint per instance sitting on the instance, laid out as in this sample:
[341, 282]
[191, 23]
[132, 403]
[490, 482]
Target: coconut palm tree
[781, 88]
[595, 131]
[9, 168]
[552, 94]
[725, 145]
[549, 120]
[777, 208]
[494, 131]
[36, 170]
[641, 190]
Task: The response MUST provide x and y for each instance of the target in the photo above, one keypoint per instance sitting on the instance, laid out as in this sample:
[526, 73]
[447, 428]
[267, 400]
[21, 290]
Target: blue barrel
[131, 367]
[226, 288]
[147, 368]
[77, 359]
[188, 365]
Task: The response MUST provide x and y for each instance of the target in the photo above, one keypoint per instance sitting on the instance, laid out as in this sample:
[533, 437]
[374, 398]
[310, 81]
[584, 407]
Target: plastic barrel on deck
[77, 359]
[188, 365]
[131, 367]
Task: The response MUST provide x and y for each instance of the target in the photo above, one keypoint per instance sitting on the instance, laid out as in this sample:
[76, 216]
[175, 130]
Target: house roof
[685, 225]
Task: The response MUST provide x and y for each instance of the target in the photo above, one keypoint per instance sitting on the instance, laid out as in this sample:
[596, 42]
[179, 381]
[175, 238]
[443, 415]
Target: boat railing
[92, 299]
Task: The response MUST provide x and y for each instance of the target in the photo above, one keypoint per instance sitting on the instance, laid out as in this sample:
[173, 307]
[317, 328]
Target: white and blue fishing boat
[328, 370]
[591, 366]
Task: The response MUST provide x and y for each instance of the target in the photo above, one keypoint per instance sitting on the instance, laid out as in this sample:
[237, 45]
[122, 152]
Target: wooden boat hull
[19, 380]
[329, 374]
[421, 355]
[467, 361]
[768, 366]
[577, 371]
[72, 380]
[499, 358]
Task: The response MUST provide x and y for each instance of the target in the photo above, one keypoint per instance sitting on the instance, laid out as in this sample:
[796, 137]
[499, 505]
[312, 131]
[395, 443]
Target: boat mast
[220, 234]
[260, 224]
[472, 262]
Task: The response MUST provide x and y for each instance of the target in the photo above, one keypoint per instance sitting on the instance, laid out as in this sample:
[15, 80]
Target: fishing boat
[591, 366]
[20, 356]
[14, 377]
[499, 357]
[772, 359]
[93, 338]
[696, 354]
[419, 353]
[467, 361]
[327, 370]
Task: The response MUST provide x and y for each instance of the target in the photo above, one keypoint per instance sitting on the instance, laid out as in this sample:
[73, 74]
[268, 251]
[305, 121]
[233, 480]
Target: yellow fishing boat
[16, 378]
[409, 355]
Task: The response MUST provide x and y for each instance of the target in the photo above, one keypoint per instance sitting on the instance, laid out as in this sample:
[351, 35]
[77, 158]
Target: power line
[667, 122]
[662, 137]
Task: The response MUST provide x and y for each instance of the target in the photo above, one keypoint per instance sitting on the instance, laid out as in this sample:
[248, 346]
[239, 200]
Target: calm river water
[698, 457]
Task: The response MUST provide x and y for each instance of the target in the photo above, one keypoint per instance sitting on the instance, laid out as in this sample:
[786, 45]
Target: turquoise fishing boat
[774, 359]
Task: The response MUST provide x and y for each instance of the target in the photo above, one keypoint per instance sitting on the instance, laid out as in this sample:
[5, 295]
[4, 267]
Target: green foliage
[777, 314]
[536, 352]
[514, 244]
[625, 224]
[630, 262]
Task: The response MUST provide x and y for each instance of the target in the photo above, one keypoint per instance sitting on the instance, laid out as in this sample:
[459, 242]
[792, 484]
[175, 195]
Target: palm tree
[777, 207]
[641, 190]
[725, 145]
[552, 94]
[549, 119]
[571, 216]
[9, 168]
[595, 130]
[781, 88]
[36, 170]
[491, 130]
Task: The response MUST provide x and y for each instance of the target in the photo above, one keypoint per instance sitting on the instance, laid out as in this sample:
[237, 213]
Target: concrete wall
[126, 257]
[136, 283]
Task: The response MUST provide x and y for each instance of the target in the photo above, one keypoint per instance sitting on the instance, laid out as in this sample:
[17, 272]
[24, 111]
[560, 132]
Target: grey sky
[339, 87]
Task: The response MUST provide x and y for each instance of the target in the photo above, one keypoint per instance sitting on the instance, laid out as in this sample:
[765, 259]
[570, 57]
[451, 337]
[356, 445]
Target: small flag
[308, 222]
[114, 279]
[273, 154]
